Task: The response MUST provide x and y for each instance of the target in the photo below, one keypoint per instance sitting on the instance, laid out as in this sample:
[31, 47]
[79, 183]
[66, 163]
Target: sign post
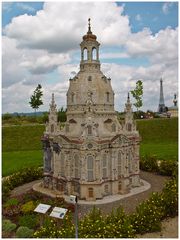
[73, 199]
[76, 219]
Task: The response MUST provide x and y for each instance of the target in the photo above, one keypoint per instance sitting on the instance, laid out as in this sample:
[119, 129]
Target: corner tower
[98, 155]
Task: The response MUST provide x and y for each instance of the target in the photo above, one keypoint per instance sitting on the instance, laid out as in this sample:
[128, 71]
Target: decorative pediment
[120, 139]
[72, 121]
[108, 121]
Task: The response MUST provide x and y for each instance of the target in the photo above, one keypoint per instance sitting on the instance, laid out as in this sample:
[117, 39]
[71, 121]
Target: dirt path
[169, 230]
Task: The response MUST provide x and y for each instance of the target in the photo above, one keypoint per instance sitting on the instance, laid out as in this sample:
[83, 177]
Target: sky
[40, 45]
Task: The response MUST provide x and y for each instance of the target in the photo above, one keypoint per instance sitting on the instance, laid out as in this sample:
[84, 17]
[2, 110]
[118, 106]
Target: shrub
[167, 168]
[24, 232]
[170, 197]
[12, 202]
[11, 207]
[28, 207]
[30, 221]
[24, 176]
[51, 230]
[8, 226]
[149, 163]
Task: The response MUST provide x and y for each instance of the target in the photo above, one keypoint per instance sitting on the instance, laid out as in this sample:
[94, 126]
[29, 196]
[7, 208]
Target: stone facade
[94, 155]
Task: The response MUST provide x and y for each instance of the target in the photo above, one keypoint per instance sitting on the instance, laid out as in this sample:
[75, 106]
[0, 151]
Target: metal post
[76, 218]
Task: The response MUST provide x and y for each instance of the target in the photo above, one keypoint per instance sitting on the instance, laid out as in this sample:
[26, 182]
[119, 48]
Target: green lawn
[159, 137]
[21, 145]
[15, 161]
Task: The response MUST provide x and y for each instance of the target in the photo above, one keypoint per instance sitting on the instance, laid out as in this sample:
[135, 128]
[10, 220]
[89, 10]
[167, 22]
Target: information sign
[42, 208]
[58, 212]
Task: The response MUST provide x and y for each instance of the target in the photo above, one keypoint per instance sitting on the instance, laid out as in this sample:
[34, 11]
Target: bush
[30, 221]
[28, 207]
[12, 202]
[149, 163]
[24, 232]
[167, 168]
[26, 175]
[8, 226]
[147, 218]
[170, 197]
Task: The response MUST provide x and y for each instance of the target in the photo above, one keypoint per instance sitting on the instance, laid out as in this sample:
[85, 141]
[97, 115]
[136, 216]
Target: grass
[15, 161]
[21, 145]
[159, 137]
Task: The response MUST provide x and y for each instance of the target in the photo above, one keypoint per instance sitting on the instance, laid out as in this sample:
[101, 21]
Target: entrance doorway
[90, 192]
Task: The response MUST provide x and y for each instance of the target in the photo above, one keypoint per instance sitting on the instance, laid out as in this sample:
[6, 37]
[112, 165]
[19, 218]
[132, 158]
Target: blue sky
[138, 40]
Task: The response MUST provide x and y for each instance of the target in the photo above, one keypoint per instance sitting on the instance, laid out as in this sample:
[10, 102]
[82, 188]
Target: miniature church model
[94, 155]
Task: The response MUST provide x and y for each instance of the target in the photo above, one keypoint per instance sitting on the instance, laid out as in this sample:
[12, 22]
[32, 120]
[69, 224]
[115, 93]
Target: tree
[35, 99]
[137, 94]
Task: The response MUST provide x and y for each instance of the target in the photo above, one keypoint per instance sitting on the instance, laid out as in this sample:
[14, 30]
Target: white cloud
[161, 47]
[56, 32]
[35, 46]
[166, 7]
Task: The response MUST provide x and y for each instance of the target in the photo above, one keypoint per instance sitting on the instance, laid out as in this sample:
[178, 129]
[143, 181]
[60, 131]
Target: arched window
[85, 54]
[129, 127]
[107, 96]
[72, 97]
[113, 127]
[52, 128]
[130, 161]
[89, 128]
[94, 54]
[119, 164]
[90, 165]
[67, 127]
[104, 166]
[76, 166]
[62, 165]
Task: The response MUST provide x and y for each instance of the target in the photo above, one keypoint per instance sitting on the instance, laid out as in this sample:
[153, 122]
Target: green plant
[11, 207]
[167, 167]
[12, 202]
[170, 196]
[137, 94]
[24, 232]
[28, 207]
[147, 218]
[149, 163]
[19, 178]
[29, 220]
[8, 226]
[36, 98]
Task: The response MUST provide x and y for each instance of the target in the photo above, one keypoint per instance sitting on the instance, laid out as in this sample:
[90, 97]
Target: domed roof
[89, 35]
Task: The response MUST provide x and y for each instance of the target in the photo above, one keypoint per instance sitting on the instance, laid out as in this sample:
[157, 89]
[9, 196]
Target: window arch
[89, 129]
[76, 166]
[119, 164]
[104, 166]
[90, 166]
[129, 127]
[52, 128]
[113, 127]
[72, 97]
[85, 54]
[62, 165]
[94, 54]
[107, 97]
